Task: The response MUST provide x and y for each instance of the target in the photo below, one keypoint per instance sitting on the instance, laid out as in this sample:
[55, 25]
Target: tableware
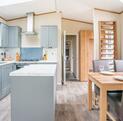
[118, 78]
[107, 73]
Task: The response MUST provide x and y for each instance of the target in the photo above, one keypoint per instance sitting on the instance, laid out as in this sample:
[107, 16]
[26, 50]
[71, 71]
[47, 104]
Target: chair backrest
[104, 63]
[119, 65]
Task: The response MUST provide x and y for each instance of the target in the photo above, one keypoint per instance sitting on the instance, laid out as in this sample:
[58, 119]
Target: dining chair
[96, 68]
[118, 65]
[115, 105]
[120, 107]
[115, 99]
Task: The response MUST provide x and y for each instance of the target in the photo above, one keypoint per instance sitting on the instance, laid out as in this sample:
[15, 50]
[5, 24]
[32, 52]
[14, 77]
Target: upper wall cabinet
[14, 35]
[49, 36]
[10, 36]
[3, 35]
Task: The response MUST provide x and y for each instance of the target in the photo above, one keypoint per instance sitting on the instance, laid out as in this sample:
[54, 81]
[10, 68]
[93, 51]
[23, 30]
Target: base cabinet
[0, 83]
[5, 79]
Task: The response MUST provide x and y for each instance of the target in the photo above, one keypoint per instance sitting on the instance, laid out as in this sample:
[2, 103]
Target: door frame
[77, 53]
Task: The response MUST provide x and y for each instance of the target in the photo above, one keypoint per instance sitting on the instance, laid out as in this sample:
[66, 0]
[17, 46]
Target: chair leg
[96, 101]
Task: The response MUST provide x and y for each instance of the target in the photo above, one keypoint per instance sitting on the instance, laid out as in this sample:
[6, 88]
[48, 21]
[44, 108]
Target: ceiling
[72, 9]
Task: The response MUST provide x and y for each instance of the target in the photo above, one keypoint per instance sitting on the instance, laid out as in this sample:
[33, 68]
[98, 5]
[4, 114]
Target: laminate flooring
[71, 104]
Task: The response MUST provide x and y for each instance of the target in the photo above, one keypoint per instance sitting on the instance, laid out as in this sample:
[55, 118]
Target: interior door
[64, 58]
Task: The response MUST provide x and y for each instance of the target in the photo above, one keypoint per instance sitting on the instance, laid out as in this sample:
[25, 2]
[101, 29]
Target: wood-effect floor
[71, 104]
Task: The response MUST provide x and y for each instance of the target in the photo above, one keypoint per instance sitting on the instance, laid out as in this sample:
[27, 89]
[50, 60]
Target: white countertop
[36, 70]
[28, 62]
[41, 61]
[5, 62]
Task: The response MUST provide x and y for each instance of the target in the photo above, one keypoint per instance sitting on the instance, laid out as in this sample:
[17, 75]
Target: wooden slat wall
[86, 53]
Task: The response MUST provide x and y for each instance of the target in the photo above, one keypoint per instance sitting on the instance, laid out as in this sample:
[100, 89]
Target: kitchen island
[33, 93]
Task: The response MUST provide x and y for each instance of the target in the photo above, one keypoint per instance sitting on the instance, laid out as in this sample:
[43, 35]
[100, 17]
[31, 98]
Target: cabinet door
[53, 36]
[0, 83]
[11, 36]
[4, 35]
[13, 67]
[14, 36]
[44, 36]
[6, 69]
[4, 81]
[19, 30]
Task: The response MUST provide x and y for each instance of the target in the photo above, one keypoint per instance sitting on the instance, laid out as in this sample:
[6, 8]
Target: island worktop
[33, 90]
[36, 70]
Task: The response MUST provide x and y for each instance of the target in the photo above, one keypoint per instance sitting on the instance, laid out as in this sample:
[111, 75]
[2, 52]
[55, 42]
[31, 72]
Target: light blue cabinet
[3, 35]
[8, 70]
[44, 36]
[53, 36]
[10, 36]
[5, 79]
[14, 35]
[49, 36]
[0, 83]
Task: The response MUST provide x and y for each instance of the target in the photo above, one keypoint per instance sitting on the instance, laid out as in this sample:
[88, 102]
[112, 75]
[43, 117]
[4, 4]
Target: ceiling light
[12, 2]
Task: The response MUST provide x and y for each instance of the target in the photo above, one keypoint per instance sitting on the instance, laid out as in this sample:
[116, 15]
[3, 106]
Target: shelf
[107, 34]
[106, 43]
[107, 48]
[107, 29]
[107, 23]
[106, 54]
[107, 39]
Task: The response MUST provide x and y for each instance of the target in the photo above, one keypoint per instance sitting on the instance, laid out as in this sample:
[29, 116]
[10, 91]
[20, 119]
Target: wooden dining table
[105, 83]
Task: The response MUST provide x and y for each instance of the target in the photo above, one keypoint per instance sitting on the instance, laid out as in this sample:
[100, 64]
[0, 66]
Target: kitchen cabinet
[33, 97]
[14, 66]
[3, 35]
[10, 36]
[49, 36]
[53, 36]
[44, 36]
[0, 83]
[14, 34]
[5, 79]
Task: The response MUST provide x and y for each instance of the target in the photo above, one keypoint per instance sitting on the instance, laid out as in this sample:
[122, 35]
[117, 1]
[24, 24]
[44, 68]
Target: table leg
[89, 95]
[103, 104]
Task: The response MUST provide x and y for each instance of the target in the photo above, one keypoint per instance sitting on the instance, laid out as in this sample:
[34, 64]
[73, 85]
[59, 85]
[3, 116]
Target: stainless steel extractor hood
[30, 24]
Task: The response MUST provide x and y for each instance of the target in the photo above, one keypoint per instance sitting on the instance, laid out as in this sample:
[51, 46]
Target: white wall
[121, 18]
[47, 19]
[3, 21]
[73, 27]
[104, 16]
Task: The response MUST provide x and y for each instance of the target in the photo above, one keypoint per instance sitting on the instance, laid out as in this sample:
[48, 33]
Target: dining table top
[105, 79]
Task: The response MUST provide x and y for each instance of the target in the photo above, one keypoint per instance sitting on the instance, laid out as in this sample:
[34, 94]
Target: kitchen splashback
[31, 54]
[51, 53]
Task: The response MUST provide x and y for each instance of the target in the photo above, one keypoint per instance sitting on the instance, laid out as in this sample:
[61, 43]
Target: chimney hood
[30, 24]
